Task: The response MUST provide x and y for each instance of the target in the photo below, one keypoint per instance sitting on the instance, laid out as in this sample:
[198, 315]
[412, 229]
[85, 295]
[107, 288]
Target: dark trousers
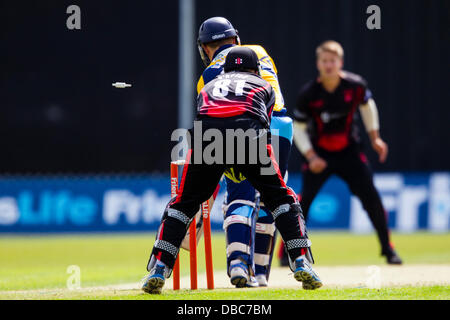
[350, 165]
[199, 181]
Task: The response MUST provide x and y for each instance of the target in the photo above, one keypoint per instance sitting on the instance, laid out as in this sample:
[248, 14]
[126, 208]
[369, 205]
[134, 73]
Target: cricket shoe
[155, 280]
[304, 273]
[393, 258]
[262, 280]
[252, 282]
[239, 275]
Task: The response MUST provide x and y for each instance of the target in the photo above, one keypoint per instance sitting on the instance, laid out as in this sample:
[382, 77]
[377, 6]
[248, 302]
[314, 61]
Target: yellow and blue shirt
[268, 72]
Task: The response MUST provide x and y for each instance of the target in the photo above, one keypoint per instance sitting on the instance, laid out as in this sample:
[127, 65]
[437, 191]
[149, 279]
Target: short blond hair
[330, 46]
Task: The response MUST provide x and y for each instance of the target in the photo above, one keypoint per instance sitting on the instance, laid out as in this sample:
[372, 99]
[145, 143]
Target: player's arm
[304, 145]
[208, 75]
[269, 73]
[369, 115]
[302, 140]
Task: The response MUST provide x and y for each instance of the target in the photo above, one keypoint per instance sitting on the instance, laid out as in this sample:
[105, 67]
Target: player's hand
[317, 164]
[381, 148]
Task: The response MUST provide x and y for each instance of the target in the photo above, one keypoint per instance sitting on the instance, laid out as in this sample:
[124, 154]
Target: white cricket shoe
[262, 280]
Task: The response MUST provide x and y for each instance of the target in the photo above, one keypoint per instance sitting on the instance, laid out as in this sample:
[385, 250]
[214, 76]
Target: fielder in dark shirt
[331, 114]
[326, 134]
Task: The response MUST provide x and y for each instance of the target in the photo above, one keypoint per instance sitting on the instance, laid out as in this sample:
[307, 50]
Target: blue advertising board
[135, 203]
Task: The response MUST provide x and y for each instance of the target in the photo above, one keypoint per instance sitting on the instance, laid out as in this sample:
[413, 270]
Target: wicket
[206, 211]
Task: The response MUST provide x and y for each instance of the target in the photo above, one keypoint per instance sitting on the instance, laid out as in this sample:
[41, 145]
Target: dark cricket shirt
[331, 116]
[237, 94]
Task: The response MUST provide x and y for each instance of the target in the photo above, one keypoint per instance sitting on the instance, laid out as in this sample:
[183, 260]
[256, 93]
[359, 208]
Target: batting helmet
[213, 29]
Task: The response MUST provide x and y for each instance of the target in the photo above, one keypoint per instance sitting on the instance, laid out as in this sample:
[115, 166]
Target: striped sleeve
[270, 74]
[200, 84]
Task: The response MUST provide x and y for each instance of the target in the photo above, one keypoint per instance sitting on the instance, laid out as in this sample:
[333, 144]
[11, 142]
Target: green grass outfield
[35, 267]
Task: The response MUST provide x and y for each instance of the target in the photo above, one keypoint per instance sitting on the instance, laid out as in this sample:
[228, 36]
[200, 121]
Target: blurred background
[80, 155]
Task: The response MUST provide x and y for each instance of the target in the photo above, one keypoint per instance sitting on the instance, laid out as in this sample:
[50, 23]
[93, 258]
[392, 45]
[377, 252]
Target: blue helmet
[213, 29]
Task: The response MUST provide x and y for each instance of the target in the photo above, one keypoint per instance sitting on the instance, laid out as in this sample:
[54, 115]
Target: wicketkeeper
[236, 103]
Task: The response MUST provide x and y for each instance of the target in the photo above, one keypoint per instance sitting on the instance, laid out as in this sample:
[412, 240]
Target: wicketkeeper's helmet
[241, 58]
[213, 29]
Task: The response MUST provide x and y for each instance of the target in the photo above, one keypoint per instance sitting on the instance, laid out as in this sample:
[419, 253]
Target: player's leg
[239, 225]
[354, 169]
[199, 221]
[265, 238]
[197, 185]
[312, 182]
[247, 246]
[311, 185]
[282, 134]
[286, 211]
[253, 246]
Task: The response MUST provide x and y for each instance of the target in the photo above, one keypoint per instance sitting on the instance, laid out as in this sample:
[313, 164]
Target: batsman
[235, 104]
[249, 227]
